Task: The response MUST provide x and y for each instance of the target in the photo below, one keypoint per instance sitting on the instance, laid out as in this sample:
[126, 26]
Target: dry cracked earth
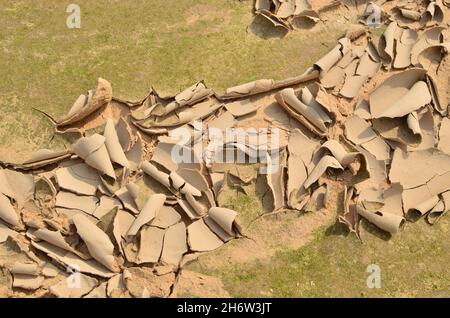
[145, 188]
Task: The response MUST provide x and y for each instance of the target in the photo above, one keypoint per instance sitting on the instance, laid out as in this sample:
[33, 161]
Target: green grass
[413, 263]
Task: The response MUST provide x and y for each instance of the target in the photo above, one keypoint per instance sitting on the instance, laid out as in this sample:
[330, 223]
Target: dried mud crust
[360, 135]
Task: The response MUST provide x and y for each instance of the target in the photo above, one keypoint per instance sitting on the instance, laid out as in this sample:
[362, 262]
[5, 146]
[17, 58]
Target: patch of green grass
[413, 263]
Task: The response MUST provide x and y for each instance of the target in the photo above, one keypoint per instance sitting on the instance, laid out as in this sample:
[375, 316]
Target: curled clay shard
[201, 238]
[171, 181]
[241, 108]
[418, 201]
[188, 209]
[411, 14]
[387, 42]
[28, 282]
[124, 134]
[440, 209]
[151, 208]
[222, 122]
[352, 85]
[25, 269]
[44, 157]
[222, 222]
[198, 181]
[5, 187]
[309, 75]
[426, 39]
[182, 185]
[174, 244]
[431, 57]
[350, 217]
[93, 151]
[133, 190]
[121, 225]
[84, 107]
[413, 169]
[403, 130]
[70, 200]
[333, 78]
[422, 124]
[205, 109]
[310, 96]
[417, 97]
[193, 94]
[262, 5]
[438, 84]
[162, 154]
[168, 151]
[6, 232]
[105, 206]
[116, 285]
[189, 96]
[330, 59]
[54, 238]
[434, 13]
[113, 144]
[199, 208]
[301, 149]
[98, 292]
[78, 178]
[391, 223]
[318, 199]
[321, 167]
[66, 288]
[162, 124]
[275, 177]
[361, 133]
[97, 241]
[345, 159]
[279, 14]
[72, 260]
[252, 88]
[444, 136]
[426, 206]
[7, 211]
[135, 154]
[153, 172]
[145, 282]
[151, 244]
[400, 94]
[403, 49]
[338, 152]
[303, 113]
[392, 200]
[369, 63]
[166, 217]
[439, 183]
[277, 22]
[435, 212]
[18, 186]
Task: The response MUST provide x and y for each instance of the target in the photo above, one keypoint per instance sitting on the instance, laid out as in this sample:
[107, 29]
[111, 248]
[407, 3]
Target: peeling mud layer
[143, 191]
